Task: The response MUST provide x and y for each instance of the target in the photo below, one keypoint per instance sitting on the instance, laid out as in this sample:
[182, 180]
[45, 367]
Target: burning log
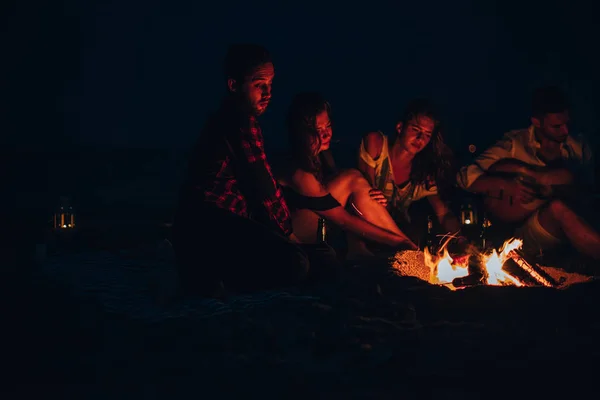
[490, 268]
[539, 276]
[469, 280]
[475, 277]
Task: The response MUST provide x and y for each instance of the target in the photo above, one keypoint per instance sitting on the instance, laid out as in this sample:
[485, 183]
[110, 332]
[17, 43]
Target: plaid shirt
[229, 169]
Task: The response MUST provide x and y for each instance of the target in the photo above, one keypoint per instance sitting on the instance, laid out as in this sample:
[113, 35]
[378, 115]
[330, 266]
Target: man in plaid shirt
[248, 189]
[229, 202]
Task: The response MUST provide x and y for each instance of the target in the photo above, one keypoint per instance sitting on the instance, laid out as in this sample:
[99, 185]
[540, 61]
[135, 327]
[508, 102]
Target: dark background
[101, 100]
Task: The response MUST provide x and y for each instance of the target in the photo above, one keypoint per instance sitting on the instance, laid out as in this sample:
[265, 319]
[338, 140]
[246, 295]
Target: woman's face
[323, 127]
[416, 135]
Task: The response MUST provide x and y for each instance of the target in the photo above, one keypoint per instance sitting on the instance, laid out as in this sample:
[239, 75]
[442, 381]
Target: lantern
[468, 215]
[64, 216]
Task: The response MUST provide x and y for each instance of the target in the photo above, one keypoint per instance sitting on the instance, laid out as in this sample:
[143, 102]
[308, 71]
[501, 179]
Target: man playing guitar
[529, 178]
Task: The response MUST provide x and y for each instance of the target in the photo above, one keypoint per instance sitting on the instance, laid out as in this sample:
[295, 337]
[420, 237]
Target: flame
[444, 269]
[494, 263]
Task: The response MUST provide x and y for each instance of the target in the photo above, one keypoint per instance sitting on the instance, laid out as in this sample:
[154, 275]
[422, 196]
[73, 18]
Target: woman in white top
[413, 164]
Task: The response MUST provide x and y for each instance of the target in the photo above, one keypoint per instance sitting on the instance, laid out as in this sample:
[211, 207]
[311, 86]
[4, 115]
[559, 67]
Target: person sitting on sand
[534, 180]
[232, 225]
[414, 165]
[315, 190]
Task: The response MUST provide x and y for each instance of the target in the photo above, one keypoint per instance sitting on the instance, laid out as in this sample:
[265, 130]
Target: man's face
[415, 136]
[256, 88]
[323, 126]
[553, 126]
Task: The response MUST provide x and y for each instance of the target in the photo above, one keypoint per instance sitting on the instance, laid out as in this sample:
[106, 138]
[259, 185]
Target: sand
[371, 334]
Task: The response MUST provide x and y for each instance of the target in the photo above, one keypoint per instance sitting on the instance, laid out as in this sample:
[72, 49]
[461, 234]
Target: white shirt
[523, 145]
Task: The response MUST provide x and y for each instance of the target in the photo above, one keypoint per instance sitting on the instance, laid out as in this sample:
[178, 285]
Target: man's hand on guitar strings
[522, 192]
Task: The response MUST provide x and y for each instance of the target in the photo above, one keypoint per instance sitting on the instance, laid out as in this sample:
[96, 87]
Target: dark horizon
[139, 75]
[88, 78]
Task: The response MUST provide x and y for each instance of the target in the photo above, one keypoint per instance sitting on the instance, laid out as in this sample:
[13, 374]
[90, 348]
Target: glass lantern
[64, 216]
[468, 214]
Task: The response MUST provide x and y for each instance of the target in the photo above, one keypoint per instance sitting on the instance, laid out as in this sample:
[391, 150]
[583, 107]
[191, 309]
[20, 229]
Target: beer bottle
[322, 231]
[483, 236]
[429, 239]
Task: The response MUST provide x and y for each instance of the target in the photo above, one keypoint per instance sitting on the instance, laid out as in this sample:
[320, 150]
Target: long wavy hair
[304, 140]
[435, 163]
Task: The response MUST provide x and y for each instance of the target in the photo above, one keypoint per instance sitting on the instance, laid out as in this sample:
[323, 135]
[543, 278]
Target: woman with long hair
[414, 164]
[315, 189]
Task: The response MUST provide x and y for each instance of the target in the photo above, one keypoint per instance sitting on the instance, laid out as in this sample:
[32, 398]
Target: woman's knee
[347, 175]
[358, 180]
[353, 180]
[353, 175]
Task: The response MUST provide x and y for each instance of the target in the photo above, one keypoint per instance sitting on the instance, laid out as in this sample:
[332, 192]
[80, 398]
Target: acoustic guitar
[504, 206]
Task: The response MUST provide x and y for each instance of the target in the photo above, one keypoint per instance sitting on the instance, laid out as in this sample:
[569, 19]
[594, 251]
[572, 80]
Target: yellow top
[399, 197]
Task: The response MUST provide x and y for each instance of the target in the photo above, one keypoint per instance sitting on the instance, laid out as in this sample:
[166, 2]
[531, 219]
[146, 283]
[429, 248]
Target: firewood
[538, 275]
[469, 280]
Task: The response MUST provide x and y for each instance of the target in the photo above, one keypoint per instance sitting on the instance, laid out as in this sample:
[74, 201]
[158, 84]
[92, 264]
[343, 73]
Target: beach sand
[371, 334]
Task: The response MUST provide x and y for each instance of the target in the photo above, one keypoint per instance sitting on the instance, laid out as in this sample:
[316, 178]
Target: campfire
[446, 271]
[503, 267]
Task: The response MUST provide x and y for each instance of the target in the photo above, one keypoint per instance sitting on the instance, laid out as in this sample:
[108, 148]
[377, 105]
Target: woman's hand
[404, 243]
[378, 196]
[411, 245]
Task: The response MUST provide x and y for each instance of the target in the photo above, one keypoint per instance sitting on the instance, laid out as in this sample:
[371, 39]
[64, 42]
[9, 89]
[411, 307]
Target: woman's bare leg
[351, 189]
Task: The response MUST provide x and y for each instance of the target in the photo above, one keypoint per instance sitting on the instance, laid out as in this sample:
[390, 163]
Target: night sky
[145, 73]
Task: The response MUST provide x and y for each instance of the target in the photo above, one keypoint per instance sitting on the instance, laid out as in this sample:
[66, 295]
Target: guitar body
[503, 206]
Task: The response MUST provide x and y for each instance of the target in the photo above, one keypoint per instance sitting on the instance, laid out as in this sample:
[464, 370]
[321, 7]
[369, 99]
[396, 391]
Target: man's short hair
[549, 100]
[243, 58]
